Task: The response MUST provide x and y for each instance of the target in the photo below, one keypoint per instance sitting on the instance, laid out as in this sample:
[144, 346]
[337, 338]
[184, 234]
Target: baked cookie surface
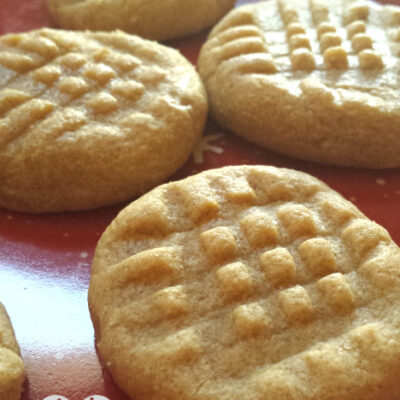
[314, 79]
[247, 282]
[12, 370]
[153, 19]
[90, 119]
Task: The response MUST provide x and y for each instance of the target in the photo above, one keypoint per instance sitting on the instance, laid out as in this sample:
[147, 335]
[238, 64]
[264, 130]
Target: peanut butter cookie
[90, 119]
[153, 19]
[314, 79]
[12, 370]
[248, 282]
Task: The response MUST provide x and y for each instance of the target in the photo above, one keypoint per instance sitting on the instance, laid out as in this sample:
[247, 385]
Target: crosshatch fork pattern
[104, 83]
[311, 35]
[321, 74]
[87, 109]
[248, 291]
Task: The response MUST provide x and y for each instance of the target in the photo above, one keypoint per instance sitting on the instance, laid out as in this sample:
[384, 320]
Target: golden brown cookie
[160, 20]
[12, 370]
[248, 282]
[90, 119]
[314, 79]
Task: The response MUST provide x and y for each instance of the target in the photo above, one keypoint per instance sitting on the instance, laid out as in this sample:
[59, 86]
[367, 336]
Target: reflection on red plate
[45, 259]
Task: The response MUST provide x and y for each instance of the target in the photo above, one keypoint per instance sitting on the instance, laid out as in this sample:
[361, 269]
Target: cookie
[247, 282]
[90, 119]
[12, 370]
[316, 80]
[160, 20]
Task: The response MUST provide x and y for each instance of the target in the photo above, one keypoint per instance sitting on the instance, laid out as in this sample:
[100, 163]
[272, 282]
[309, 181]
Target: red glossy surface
[45, 259]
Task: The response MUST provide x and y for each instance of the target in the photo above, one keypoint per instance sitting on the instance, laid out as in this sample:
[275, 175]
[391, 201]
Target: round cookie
[90, 119]
[160, 20]
[12, 370]
[247, 282]
[313, 79]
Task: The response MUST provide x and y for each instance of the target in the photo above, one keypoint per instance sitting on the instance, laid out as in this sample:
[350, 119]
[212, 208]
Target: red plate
[45, 259]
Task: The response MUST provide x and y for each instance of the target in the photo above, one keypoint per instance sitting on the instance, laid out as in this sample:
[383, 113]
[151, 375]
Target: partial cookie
[12, 370]
[90, 119]
[160, 20]
[314, 79]
[248, 282]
